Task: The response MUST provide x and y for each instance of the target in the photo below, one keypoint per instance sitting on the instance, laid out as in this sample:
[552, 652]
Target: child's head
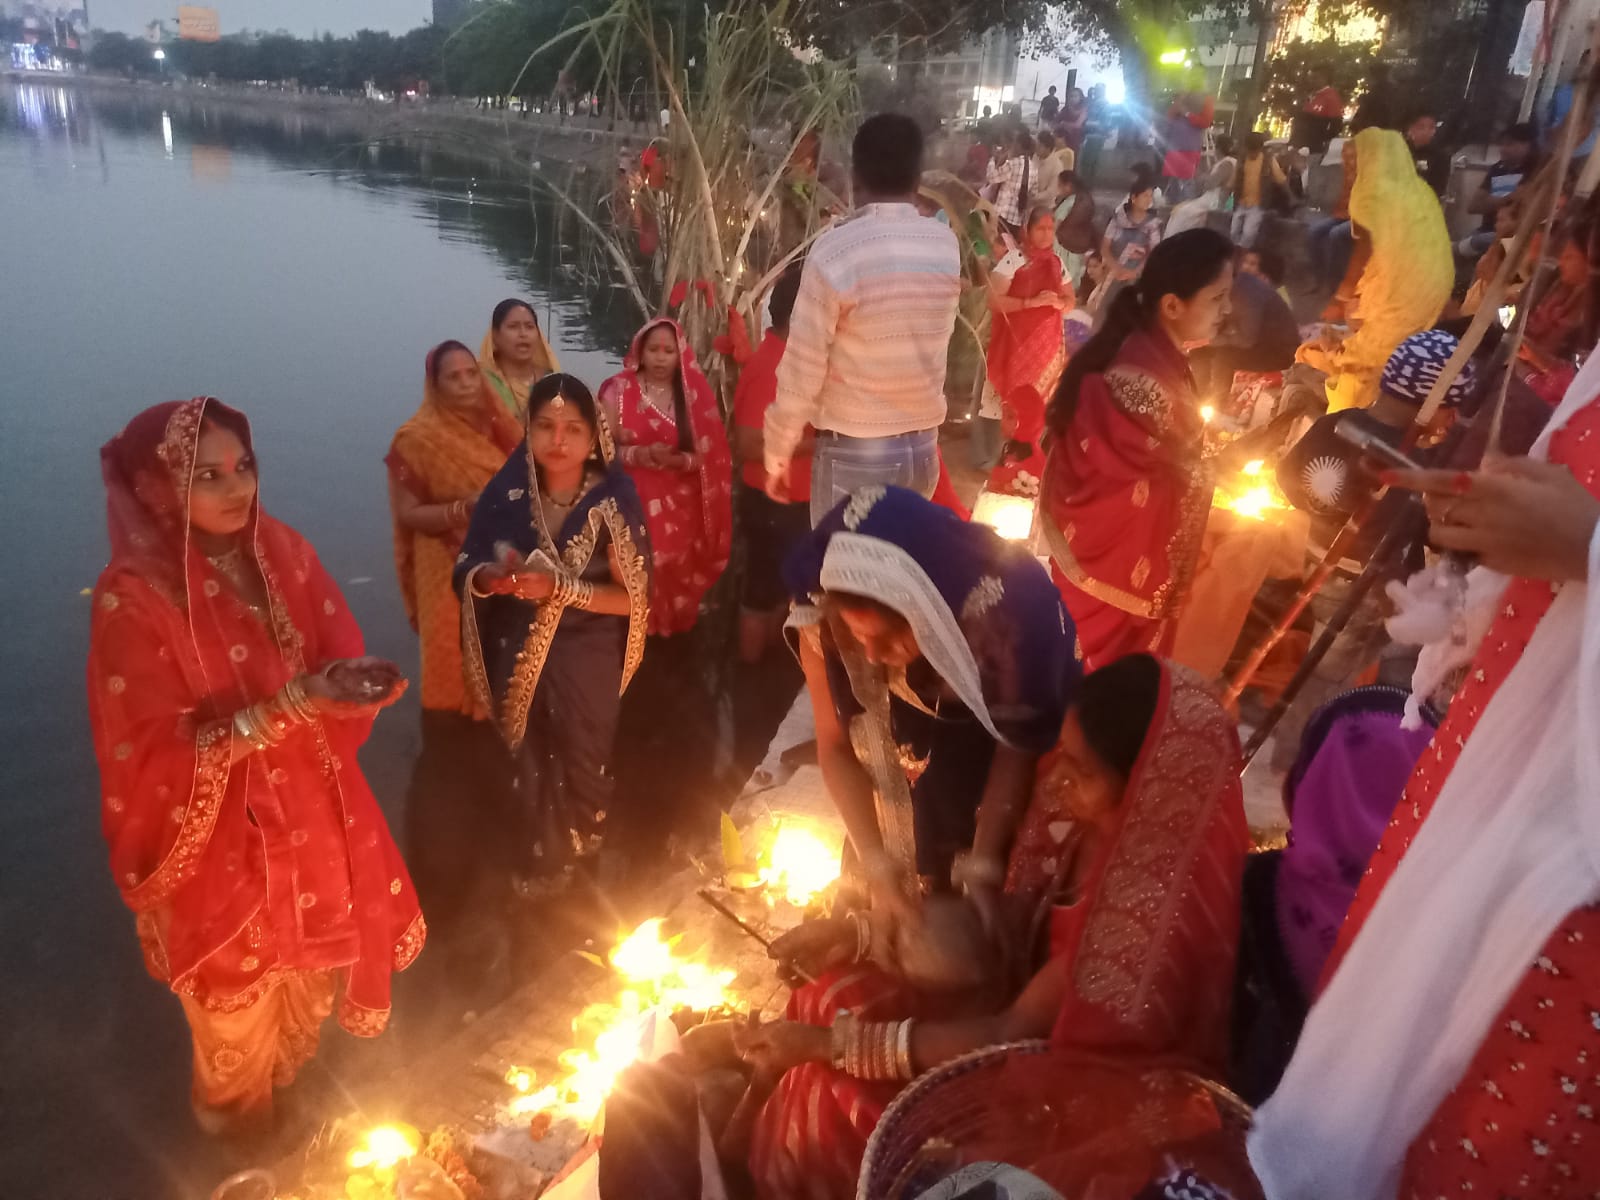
[1264, 263]
[1066, 183]
[1572, 264]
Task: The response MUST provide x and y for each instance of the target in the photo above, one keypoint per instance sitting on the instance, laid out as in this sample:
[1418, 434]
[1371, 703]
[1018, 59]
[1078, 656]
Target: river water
[301, 276]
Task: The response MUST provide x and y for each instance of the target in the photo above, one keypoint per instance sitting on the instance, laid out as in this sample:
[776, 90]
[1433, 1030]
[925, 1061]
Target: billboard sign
[197, 24]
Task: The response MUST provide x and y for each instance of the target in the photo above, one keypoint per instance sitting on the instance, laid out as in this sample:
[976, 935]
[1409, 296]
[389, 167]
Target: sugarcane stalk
[1403, 525]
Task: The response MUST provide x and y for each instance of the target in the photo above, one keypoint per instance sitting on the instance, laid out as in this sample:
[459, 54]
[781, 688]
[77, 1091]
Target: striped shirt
[1015, 183]
[870, 331]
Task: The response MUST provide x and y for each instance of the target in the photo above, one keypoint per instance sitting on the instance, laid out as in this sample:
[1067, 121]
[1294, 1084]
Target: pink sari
[689, 513]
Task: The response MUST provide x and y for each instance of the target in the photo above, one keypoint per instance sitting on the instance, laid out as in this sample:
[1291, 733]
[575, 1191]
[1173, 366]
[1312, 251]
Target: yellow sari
[1408, 278]
[515, 398]
[441, 456]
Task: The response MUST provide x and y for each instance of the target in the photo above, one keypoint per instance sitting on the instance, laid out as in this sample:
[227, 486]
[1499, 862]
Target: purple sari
[1353, 765]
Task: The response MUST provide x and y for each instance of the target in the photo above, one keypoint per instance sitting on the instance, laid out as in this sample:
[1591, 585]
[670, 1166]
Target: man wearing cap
[1323, 475]
[1319, 473]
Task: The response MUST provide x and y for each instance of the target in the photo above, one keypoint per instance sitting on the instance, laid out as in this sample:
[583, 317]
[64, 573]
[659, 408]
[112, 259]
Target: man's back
[871, 328]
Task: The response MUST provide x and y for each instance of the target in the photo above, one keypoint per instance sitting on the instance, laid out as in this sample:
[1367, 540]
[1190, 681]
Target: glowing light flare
[1208, 414]
[1009, 516]
[1254, 467]
[613, 1036]
[384, 1147]
[1173, 58]
[800, 864]
[521, 1078]
[1255, 503]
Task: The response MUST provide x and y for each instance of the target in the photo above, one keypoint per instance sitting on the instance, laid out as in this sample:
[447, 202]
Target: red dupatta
[1127, 490]
[282, 861]
[1027, 348]
[689, 513]
[1152, 946]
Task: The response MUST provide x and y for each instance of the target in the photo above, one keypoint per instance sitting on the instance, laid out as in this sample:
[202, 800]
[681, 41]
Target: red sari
[1522, 1122]
[1125, 499]
[1150, 947]
[1027, 350]
[689, 513]
[258, 884]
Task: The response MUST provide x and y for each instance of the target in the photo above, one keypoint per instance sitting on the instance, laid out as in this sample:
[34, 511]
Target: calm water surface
[300, 276]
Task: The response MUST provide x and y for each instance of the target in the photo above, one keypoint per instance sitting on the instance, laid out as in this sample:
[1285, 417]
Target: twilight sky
[299, 17]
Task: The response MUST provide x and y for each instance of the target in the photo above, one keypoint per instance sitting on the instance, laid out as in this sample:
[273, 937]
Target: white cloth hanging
[1511, 847]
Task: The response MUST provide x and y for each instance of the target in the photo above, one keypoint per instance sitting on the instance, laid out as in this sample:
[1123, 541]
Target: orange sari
[440, 456]
[1151, 946]
[257, 884]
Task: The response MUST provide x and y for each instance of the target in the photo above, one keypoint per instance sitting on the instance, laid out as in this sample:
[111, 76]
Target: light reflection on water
[154, 250]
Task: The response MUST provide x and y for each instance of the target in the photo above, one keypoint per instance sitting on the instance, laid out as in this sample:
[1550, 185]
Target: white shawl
[1511, 847]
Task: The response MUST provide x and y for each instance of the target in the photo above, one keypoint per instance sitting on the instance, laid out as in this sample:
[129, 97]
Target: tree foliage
[124, 55]
[1302, 67]
[841, 27]
[492, 52]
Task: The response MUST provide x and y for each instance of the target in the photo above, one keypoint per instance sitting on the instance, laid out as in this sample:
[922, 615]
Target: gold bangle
[903, 1067]
[245, 726]
[261, 713]
[300, 700]
[886, 1036]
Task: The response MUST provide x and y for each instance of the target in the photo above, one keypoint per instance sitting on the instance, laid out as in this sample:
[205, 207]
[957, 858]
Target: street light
[160, 55]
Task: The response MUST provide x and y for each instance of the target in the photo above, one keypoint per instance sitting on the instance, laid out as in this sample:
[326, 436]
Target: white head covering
[1511, 847]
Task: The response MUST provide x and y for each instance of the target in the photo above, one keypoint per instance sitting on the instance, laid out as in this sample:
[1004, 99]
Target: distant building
[447, 14]
[980, 73]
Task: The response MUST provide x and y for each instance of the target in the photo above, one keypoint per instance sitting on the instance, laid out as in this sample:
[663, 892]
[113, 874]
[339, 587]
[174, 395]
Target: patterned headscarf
[1416, 364]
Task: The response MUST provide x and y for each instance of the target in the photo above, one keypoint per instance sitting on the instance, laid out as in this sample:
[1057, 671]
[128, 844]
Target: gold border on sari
[213, 754]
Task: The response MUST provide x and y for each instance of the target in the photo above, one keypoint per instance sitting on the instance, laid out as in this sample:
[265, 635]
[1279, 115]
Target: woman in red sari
[229, 698]
[1455, 1047]
[674, 446]
[1133, 850]
[1028, 293]
[1126, 487]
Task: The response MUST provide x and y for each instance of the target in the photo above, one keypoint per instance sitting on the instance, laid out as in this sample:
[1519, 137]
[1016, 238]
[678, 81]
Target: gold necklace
[658, 396]
[232, 566]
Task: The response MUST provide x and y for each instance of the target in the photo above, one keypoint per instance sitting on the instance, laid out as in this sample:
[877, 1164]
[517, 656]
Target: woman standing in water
[515, 354]
[439, 462]
[1126, 487]
[555, 575]
[228, 699]
[675, 449]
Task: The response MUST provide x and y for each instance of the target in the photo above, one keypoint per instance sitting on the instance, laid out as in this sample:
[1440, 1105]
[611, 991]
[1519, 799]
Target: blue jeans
[1329, 242]
[985, 442]
[840, 465]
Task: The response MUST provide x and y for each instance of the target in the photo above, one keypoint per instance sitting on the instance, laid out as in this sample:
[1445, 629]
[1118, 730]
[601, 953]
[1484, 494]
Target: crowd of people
[1048, 873]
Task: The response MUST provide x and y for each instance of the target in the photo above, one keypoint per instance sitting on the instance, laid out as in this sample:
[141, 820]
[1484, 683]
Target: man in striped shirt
[865, 362]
